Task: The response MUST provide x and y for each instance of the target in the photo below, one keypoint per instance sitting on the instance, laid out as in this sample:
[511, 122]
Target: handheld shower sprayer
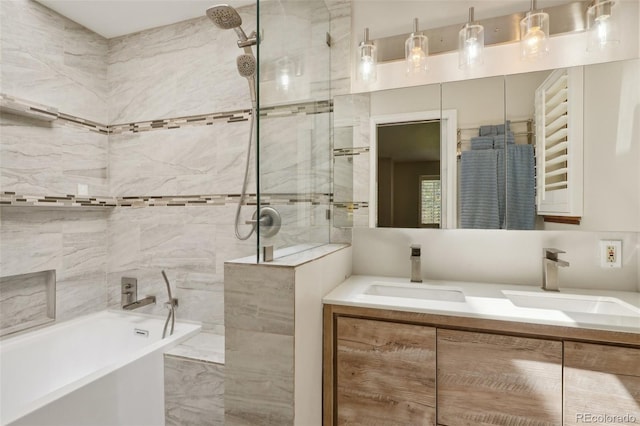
[247, 68]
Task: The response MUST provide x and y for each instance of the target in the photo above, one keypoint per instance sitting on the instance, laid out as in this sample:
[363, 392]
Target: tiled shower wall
[180, 70]
[51, 60]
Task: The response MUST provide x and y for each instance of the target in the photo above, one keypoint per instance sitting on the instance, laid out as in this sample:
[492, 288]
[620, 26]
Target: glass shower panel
[294, 119]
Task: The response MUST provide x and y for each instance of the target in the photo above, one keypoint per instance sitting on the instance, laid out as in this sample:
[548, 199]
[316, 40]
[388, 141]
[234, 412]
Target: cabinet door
[385, 373]
[489, 379]
[601, 381]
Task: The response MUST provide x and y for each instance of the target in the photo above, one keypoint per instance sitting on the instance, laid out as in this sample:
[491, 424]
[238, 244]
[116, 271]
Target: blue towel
[482, 142]
[479, 190]
[498, 140]
[487, 130]
[500, 128]
[521, 207]
[501, 187]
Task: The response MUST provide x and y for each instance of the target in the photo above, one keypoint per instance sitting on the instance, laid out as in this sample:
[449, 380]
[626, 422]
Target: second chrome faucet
[550, 264]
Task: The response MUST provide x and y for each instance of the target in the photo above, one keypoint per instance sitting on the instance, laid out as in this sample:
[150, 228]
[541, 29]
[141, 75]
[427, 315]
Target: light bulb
[284, 80]
[601, 26]
[416, 51]
[534, 35]
[470, 44]
[366, 67]
[367, 59]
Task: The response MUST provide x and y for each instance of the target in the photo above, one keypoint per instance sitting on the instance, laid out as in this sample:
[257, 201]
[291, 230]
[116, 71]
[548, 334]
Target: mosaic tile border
[177, 123]
[37, 111]
[15, 200]
[350, 152]
[351, 205]
[11, 199]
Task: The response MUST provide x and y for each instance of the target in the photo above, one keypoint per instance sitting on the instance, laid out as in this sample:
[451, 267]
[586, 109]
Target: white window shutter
[559, 141]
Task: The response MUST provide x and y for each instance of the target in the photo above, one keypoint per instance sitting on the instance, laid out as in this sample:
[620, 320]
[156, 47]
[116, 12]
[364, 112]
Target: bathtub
[101, 369]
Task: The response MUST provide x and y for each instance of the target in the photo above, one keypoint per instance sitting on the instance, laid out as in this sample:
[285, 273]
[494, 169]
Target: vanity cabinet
[492, 379]
[601, 380]
[385, 367]
[385, 373]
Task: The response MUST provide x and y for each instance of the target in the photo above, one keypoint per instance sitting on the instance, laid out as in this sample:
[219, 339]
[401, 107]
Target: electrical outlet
[611, 254]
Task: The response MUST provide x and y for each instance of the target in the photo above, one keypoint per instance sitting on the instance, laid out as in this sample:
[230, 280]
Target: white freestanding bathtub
[100, 369]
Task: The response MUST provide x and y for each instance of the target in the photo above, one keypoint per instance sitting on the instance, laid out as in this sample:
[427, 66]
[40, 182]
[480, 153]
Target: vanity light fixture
[367, 59]
[601, 27]
[416, 51]
[470, 44]
[534, 33]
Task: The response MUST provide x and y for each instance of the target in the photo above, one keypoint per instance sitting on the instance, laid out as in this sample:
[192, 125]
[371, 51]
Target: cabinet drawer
[489, 379]
[385, 373]
[601, 380]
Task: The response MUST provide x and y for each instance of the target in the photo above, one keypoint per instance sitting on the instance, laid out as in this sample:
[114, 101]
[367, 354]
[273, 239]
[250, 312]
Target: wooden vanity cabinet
[384, 367]
[385, 373]
[492, 379]
[601, 380]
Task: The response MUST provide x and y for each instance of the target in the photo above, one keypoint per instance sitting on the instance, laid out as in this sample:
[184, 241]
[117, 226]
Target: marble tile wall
[198, 75]
[49, 158]
[185, 161]
[259, 314]
[189, 243]
[194, 392]
[72, 243]
[340, 11]
[39, 288]
[49, 59]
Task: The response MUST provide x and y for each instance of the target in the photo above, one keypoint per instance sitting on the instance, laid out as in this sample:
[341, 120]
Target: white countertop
[486, 301]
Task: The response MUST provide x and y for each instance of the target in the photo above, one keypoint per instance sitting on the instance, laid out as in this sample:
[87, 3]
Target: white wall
[495, 256]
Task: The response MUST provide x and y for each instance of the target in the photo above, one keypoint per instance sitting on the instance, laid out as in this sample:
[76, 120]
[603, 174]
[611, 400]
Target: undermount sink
[415, 292]
[572, 303]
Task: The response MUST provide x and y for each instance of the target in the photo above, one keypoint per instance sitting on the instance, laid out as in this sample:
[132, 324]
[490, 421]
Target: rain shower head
[227, 18]
[224, 16]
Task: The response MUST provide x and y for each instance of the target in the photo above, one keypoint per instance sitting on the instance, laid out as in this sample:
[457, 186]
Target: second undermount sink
[572, 303]
[415, 292]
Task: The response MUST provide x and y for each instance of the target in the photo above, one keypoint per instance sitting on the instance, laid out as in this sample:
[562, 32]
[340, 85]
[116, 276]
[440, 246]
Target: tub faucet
[139, 303]
[416, 274]
[129, 294]
[550, 263]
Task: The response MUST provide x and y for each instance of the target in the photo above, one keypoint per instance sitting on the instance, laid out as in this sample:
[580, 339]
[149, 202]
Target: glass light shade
[416, 51]
[602, 28]
[534, 35]
[286, 72]
[367, 63]
[470, 46]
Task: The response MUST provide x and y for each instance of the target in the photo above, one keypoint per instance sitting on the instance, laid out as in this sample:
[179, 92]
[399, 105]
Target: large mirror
[555, 149]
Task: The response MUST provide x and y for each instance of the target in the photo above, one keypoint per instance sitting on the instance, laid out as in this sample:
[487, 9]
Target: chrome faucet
[550, 263]
[416, 273]
[149, 300]
[129, 293]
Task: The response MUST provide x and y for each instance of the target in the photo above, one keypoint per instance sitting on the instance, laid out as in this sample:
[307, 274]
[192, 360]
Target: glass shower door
[294, 119]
